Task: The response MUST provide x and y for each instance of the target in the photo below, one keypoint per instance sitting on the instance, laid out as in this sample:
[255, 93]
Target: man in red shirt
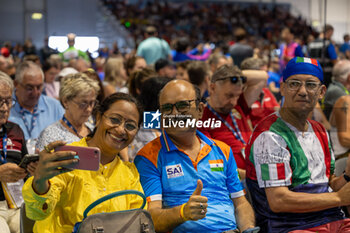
[232, 92]
[266, 103]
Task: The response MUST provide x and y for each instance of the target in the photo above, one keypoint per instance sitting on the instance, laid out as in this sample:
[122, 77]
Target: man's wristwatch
[346, 177]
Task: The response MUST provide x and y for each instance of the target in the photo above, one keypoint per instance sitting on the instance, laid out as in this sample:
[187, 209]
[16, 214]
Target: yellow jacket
[70, 193]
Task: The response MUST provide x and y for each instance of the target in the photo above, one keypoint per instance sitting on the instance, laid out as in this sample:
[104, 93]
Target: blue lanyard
[237, 132]
[33, 123]
[4, 149]
[64, 119]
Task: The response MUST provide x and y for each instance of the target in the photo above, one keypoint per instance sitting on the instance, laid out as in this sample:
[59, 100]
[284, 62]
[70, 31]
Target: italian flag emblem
[307, 60]
[216, 165]
[273, 171]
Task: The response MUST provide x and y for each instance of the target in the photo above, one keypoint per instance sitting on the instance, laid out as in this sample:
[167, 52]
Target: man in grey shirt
[240, 50]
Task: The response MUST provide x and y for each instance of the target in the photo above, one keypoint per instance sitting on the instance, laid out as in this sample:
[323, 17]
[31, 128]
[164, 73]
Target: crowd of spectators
[244, 66]
[210, 22]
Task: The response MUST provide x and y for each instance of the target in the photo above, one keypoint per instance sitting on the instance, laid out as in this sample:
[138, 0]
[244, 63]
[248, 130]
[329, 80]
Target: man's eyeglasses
[295, 85]
[117, 120]
[8, 101]
[235, 79]
[181, 106]
[85, 105]
[30, 88]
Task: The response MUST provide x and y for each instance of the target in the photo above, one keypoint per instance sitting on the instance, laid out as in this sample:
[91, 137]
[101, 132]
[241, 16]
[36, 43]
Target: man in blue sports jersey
[191, 181]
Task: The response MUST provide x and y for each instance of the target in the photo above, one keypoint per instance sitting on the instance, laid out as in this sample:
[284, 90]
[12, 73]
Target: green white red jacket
[278, 155]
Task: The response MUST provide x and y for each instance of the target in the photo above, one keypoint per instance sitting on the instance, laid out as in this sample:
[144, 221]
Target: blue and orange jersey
[169, 175]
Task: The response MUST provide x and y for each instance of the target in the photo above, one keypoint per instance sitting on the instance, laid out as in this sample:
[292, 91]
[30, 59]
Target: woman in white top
[78, 96]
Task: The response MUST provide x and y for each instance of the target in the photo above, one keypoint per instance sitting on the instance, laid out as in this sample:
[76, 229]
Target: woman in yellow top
[56, 198]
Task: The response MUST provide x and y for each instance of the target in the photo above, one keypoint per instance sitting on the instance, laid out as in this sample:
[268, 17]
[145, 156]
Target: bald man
[191, 181]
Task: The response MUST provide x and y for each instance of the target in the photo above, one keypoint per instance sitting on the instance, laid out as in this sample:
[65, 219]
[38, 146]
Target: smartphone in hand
[89, 157]
[27, 159]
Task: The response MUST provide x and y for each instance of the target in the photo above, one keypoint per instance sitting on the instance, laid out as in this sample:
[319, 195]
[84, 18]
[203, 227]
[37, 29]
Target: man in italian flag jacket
[290, 163]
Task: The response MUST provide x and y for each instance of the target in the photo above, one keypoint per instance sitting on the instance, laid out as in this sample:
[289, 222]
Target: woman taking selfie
[56, 197]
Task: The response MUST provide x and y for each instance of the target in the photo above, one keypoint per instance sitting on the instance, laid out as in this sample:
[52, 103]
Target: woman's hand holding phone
[32, 167]
[89, 157]
[52, 164]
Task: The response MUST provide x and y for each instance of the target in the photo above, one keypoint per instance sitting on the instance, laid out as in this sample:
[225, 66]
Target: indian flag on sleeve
[307, 60]
[273, 171]
[216, 165]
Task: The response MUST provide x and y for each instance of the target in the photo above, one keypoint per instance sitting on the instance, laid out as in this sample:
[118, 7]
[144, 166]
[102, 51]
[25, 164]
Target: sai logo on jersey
[173, 171]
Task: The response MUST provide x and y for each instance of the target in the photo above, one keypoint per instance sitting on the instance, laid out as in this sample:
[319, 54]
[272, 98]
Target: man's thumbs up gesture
[196, 207]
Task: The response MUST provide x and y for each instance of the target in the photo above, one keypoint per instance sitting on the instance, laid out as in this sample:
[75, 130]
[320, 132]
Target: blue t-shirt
[344, 47]
[170, 176]
[153, 49]
[331, 52]
[49, 111]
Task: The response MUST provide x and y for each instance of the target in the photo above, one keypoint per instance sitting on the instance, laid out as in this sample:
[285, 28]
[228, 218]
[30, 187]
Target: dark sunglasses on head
[235, 79]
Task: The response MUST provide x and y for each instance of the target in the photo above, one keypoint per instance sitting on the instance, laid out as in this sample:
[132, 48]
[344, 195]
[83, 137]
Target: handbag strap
[112, 195]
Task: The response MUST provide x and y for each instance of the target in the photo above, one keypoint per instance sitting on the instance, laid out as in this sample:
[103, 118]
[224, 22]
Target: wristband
[182, 212]
[346, 177]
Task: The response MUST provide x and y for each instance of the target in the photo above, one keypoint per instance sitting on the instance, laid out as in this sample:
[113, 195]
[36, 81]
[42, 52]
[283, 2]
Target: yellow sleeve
[39, 207]
[134, 200]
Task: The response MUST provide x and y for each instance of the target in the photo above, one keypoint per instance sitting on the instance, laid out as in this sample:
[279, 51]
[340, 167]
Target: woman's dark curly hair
[149, 92]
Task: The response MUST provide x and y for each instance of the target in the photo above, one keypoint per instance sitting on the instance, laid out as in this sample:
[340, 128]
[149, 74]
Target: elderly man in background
[340, 86]
[32, 111]
[12, 150]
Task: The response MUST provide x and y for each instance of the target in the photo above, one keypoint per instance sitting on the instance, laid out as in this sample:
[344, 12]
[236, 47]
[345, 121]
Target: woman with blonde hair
[78, 95]
[115, 76]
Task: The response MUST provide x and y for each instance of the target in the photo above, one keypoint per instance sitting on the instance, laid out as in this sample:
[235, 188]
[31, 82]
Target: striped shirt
[281, 155]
